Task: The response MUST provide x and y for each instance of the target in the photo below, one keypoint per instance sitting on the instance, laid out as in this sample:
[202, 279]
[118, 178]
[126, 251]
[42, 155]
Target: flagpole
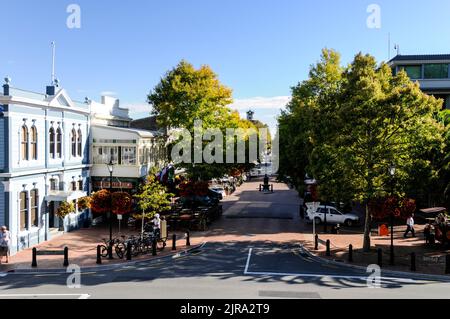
[53, 61]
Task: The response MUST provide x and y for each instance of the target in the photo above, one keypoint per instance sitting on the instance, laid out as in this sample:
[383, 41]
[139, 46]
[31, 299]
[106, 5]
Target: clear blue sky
[259, 48]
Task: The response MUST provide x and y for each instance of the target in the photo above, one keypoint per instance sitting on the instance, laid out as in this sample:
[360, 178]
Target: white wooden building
[44, 160]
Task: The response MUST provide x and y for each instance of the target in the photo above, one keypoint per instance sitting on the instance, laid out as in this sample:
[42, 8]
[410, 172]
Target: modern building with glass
[431, 71]
[133, 151]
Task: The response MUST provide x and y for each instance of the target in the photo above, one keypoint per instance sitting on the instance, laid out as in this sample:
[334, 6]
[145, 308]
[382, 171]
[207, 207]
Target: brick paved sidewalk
[429, 259]
[82, 246]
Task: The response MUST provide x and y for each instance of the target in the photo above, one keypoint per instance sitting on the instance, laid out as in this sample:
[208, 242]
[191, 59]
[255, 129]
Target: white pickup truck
[334, 216]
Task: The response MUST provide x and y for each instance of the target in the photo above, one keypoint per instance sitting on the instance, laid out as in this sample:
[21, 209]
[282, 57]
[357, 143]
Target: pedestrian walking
[157, 225]
[303, 210]
[410, 226]
[5, 241]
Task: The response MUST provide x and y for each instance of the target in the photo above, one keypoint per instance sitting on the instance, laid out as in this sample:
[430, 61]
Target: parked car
[334, 216]
[217, 191]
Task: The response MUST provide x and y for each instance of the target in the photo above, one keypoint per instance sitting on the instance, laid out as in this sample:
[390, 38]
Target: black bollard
[447, 264]
[99, 255]
[413, 261]
[316, 242]
[271, 186]
[259, 187]
[128, 248]
[328, 248]
[188, 239]
[154, 247]
[34, 258]
[66, 257]
[110, 251]
[350, 253]
[380, 257]
[174, 242]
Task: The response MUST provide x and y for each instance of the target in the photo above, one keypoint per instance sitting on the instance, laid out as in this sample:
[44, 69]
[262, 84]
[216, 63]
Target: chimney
[51, 89]
[6, 86]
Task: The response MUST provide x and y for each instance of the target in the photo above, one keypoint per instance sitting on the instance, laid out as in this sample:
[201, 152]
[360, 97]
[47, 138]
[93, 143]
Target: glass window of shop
[436, 71]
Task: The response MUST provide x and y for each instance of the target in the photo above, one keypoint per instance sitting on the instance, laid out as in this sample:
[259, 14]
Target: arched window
[34, 207]
[24, 139]
[24, 210]
[34, 141]
[79, 142]
[51, 137]
[74, 143]
[59, 143]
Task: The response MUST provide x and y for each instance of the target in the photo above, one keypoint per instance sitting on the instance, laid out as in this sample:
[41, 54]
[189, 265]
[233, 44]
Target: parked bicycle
[106, 244]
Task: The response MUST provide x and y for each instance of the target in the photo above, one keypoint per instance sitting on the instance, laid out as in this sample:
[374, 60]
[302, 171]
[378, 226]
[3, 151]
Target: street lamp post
[392, 170]
[110, 169]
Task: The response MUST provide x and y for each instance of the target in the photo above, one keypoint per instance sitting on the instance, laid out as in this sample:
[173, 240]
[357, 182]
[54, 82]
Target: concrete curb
[101, 268]
[402, 274]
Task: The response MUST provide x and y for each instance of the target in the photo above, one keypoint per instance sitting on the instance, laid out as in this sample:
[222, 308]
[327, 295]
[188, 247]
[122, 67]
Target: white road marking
[80, 296]
[248, 261]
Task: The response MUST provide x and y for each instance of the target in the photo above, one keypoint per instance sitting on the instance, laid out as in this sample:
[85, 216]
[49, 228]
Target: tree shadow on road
[223, 261]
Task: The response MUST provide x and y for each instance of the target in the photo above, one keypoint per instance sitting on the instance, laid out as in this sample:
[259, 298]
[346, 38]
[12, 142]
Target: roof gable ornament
[61, 99]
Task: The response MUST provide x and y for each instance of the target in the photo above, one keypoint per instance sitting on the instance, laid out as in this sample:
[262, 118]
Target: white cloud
[138, 107]
[261, 103]
[108, 93]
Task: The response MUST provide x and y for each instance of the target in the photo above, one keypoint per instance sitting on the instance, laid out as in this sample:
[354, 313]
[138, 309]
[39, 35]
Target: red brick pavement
[82, 246]
[264, 226]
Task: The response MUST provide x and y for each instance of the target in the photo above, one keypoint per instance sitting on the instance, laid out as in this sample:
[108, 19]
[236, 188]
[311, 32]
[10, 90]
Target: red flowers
[188, 189]
[101, 202]
[122, 202]
[383, 207]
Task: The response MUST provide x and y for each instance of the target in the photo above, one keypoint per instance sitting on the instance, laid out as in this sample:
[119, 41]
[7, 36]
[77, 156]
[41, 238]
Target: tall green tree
[186, 94]
[355, 122]
[384, 120]
[153, 198]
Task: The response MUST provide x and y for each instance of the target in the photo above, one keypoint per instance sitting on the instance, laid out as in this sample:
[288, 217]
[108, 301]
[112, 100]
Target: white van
[334, 216]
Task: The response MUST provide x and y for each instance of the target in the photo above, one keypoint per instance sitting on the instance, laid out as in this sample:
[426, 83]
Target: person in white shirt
[5, 240]
[410, 227]
[157, 225]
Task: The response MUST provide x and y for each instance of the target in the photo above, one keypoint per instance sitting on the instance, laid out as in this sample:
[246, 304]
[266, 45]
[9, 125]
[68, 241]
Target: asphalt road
[226, 270]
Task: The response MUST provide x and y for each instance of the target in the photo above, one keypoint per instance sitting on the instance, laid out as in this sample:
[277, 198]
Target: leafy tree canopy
[347, 125]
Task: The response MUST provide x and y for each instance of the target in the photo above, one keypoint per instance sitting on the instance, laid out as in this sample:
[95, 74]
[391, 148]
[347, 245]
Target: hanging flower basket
[84, 202]
[100, 203]
[64, 209]
[122, 203]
